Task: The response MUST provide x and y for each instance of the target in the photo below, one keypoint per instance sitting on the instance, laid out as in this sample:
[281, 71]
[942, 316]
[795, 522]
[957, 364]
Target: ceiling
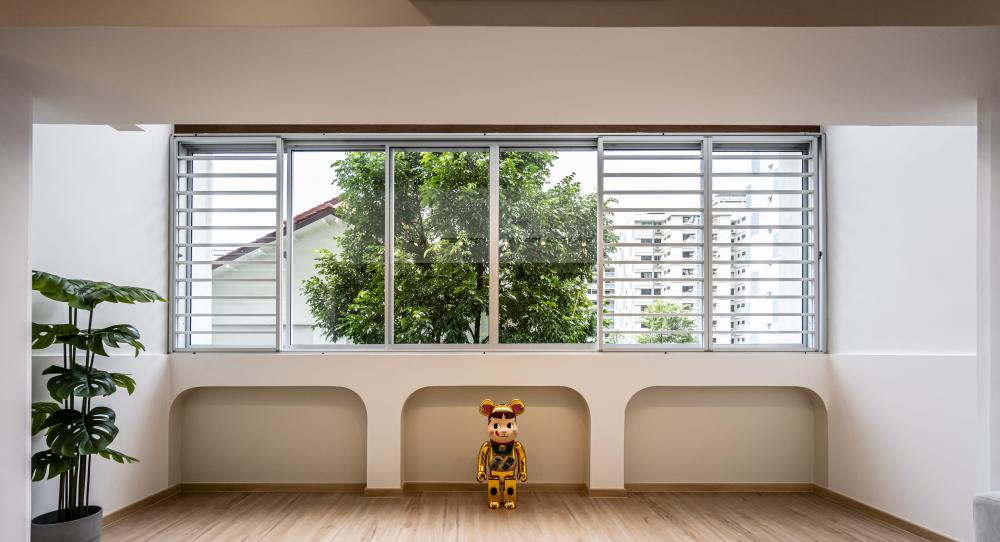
[607, 13]
[462, 75]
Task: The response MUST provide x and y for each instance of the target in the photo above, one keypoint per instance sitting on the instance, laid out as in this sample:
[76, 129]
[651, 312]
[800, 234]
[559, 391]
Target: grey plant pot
[46, 528]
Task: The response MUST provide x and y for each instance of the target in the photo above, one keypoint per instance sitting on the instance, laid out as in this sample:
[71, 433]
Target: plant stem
[61, 509]
[81, 485]
[479, 314]
[86, 499]
[90, 327]
[71, 504]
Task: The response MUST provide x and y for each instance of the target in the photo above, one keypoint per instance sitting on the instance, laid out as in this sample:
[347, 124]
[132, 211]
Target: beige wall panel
[720, 435]
[442, 432]
[272, 435]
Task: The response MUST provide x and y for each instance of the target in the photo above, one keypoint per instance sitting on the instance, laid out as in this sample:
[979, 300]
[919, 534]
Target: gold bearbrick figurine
[501, 454]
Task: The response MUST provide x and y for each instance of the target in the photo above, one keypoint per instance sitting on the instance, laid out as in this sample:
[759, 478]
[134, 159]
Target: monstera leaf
[44, 335]
[86, 294]
[114, 336]
[115, 455]
[78, 381]
[49, 462]
[124, 381]
[72, 432]
[41, 412]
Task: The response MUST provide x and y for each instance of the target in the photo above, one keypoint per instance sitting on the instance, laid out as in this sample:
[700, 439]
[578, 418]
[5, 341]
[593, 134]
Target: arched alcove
[268, 435]
[725, 435]
[443, 430]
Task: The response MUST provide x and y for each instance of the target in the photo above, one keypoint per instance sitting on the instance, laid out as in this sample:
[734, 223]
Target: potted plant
[75, 428]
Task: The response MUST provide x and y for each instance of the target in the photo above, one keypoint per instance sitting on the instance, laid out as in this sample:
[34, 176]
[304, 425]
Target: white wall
[100, 212]
[900, 402]
[15, 290]
[143, 420]
[901, 257]
[987, 287]
[666, 75]
[605, 381]
[902, 237]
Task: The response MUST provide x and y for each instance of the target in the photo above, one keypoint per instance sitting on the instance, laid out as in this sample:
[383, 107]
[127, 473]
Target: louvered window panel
[652, 213]
[226, 232]
[765, 244]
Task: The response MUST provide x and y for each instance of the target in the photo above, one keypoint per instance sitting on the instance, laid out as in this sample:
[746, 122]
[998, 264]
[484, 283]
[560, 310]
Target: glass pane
[226, 249]
[614, 183]
[653, 270]
[666, 324]
[548, 246]
[441, 273]
[626, 202]
[338, 247]
[763, 247]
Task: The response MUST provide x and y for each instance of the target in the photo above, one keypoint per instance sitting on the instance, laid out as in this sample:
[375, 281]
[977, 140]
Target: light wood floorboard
[463, 516]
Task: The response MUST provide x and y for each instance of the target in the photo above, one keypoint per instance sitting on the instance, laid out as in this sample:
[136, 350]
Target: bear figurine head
[501, 419]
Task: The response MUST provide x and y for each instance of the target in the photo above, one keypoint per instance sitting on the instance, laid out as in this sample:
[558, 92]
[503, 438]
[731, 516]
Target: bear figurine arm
[522, 462]
[484, 453]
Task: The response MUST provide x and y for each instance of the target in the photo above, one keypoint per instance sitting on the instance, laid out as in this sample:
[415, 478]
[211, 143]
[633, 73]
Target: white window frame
[495, 142]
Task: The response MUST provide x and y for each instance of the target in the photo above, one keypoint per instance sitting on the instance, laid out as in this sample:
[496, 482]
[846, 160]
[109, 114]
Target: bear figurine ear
[486, 407]
[517, 406]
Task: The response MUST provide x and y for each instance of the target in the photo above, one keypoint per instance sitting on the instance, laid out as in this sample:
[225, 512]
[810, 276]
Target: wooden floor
[458, 516]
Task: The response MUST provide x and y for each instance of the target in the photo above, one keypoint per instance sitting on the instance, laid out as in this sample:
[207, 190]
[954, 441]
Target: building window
[284, 243]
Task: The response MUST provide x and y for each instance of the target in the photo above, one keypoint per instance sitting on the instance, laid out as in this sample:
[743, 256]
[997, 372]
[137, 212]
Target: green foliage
[87, 294]
[78, 381]
[672, 326]
[441, 226]
[116, 456]
[44, 335]
[47, 464]
[74, 428]
[548, 252]
[124, 381]
[39, 413]
[72, 432]
[345, 295]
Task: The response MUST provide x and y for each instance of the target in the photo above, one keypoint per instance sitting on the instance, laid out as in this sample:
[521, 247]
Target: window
[548, 246]
[225, 216]
[287, 243]
[764, 209]
[656, 188]
[337, 252]
[441, 246]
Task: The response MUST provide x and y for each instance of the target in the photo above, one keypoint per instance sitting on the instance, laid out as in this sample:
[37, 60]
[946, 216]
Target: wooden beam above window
[490, 128]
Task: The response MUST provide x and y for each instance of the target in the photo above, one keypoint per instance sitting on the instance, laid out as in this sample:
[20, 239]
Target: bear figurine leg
[510, 494]
[493, 492]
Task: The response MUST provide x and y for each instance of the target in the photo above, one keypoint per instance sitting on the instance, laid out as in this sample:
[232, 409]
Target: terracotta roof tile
[300, 220]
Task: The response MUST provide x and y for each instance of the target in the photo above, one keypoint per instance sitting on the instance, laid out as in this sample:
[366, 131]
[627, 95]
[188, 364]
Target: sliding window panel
[548, 246]
[765, 266]
[441, 224]
[654, 244]
[225, 245]
[337, 247]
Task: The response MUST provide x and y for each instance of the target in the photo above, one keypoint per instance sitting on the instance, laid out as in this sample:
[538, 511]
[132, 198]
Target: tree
[548, 251]
[672, 326]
